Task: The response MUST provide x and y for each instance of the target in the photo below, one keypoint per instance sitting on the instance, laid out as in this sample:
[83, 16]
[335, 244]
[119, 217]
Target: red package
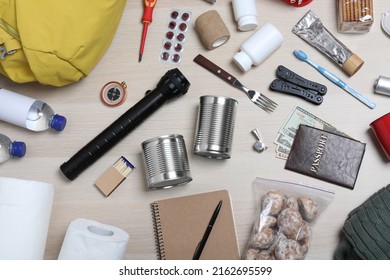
[298, 3]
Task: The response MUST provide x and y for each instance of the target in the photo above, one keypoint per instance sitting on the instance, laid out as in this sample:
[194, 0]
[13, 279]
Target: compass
[113, 93]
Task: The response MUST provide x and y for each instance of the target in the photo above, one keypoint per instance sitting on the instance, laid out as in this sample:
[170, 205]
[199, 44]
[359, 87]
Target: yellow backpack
[55, 42]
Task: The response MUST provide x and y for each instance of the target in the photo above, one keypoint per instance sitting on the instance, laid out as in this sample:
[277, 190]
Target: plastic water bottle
[28, 112]
[10, 149]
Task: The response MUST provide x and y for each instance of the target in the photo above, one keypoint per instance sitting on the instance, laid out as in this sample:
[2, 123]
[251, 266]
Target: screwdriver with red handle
[146, 19]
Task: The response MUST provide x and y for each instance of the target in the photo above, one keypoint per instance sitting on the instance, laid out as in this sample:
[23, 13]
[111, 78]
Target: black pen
[202, 243]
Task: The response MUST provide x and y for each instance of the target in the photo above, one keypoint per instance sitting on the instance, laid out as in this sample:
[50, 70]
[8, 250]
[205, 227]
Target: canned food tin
[166, 161]
[215, 125]
[382, 85]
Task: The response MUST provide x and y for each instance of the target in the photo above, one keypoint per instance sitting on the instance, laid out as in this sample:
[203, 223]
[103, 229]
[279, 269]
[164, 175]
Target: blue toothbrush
[302, 56]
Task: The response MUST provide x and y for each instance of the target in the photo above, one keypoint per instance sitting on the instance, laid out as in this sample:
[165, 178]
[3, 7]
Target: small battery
[382, 85]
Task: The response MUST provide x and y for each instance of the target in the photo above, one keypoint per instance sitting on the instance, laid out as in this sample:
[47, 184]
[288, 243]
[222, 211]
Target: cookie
[265, 255]
[305, 242]
[266, 222]
[273, 202]
[262, 239]
[288, 249]
[308, 208]
[290, 221]
[292, 202]
[251, 254]
[302, 233]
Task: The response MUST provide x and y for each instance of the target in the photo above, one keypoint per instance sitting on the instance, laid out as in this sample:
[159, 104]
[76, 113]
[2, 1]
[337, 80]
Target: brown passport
[326, 156]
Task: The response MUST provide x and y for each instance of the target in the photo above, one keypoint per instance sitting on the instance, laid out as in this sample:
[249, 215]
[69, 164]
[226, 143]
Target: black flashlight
[172, 85]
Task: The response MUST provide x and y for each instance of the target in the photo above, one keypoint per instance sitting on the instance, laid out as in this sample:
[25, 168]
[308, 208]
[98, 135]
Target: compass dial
[113, 93]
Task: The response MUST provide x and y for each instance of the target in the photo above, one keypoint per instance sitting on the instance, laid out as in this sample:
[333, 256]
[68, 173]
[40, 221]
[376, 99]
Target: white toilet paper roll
[25, 210]
[91, 240]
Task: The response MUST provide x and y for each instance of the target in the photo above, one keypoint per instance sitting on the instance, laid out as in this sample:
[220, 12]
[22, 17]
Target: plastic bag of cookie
[285, 215]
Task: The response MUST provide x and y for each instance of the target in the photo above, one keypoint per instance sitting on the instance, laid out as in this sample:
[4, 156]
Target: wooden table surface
[128, 206]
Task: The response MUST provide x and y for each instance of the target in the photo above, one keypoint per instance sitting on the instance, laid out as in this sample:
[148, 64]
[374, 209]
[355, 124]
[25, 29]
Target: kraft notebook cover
[180, 224]
[326, 156]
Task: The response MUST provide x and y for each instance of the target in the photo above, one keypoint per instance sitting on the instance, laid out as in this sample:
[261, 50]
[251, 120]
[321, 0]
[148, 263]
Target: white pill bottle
[245, 14]
[258, 47]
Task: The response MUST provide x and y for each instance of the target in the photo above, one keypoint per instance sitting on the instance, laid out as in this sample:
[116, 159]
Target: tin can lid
[159, 139]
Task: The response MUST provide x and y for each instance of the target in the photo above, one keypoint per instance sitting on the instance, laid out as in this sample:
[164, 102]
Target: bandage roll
[212, 30]
[90, 240]
[25, 210]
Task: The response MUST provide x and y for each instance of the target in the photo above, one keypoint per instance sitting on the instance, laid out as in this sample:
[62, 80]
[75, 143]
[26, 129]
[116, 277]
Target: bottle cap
[352, 64]
[58, 122]
[243, 61]
[18, 149]
[247, 23]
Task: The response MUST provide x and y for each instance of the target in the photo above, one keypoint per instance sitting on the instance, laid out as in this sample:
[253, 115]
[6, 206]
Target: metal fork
[257, 98]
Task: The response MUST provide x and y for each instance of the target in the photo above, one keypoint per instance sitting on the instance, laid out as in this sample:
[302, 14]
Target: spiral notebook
[180, 223]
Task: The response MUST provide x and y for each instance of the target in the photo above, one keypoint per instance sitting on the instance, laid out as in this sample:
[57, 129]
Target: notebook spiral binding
[159, 242]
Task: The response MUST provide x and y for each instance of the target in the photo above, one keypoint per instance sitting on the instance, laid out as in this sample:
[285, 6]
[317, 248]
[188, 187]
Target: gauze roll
[91, 240]
[211, 29]
[25, 210]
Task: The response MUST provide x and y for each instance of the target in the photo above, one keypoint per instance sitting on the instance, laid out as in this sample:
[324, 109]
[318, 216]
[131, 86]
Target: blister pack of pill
[175, 36]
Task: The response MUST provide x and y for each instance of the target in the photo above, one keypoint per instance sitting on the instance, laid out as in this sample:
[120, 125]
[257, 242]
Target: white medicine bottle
[258, 47]
[245, 14]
